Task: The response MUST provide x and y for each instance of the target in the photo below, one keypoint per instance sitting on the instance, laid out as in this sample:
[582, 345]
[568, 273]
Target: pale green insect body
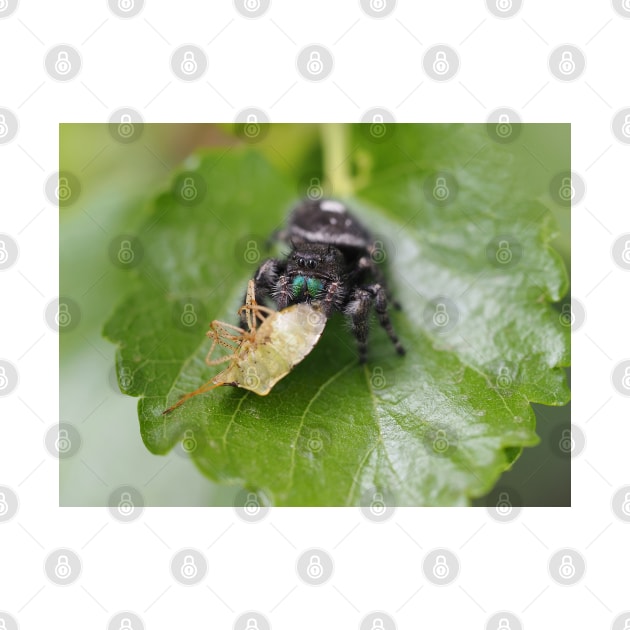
[282, 340]
[274, 344]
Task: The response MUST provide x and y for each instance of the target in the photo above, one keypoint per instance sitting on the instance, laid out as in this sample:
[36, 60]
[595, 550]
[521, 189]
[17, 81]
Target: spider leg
[380, 306]
[206, 387]
[219, 333]
[264, 282]
[367, 263]
[358, 309]
[334, 298]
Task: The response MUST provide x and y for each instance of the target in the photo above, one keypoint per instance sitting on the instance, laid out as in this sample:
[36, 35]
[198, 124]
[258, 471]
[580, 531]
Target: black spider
[331, 260]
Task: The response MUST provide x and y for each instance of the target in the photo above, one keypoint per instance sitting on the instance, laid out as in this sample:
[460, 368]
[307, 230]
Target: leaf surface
[475, 276]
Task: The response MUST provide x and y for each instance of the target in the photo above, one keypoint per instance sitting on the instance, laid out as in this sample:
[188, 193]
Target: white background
[377, 63]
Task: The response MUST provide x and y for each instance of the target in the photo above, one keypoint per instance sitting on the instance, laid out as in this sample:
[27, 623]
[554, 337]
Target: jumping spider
[332, 260]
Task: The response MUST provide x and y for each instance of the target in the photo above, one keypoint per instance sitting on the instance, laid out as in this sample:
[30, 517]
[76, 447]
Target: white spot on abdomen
[332, 206]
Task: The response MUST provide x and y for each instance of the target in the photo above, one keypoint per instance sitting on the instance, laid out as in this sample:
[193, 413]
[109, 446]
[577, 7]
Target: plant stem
[336, 155]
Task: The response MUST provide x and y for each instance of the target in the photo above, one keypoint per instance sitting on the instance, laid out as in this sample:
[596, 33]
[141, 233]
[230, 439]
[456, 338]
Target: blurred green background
[113, 179]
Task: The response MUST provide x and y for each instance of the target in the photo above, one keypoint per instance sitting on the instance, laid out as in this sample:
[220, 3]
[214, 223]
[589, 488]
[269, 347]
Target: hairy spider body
[332, 261]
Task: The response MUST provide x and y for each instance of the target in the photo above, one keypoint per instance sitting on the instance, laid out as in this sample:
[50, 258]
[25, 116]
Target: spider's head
[314, 260]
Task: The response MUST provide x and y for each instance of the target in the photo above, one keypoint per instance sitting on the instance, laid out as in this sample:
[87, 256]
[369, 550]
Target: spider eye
[300, 262]
[311, 264]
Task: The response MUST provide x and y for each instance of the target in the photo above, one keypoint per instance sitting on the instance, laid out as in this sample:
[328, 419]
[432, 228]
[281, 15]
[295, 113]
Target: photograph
[370, 314]
[314, 315]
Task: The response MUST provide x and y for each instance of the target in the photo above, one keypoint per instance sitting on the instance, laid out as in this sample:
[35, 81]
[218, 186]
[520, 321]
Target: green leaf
[436, 427]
